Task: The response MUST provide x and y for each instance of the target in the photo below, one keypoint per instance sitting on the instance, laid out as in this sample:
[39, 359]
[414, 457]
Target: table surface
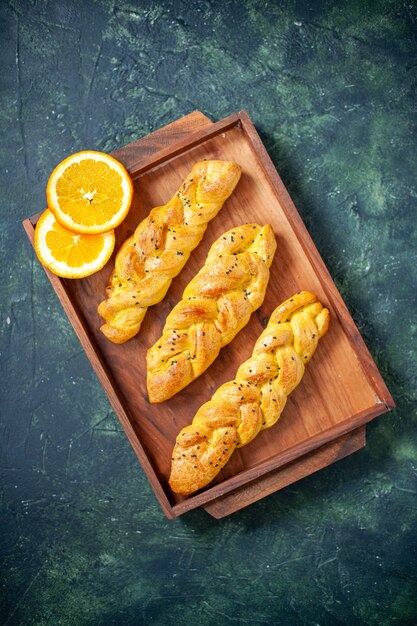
[331, 88]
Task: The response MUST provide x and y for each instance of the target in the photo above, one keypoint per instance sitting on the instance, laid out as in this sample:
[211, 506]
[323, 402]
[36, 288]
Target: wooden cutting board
[342, 388]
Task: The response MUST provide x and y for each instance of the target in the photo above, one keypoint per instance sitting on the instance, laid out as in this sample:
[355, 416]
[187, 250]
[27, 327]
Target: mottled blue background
[331, 87]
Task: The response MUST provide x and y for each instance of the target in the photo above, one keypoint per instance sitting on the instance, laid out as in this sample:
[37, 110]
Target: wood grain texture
[290, 473]
[341, 391]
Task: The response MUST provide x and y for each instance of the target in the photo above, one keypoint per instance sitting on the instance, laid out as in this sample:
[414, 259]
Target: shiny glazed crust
[216, 304]
[161, 245]
[239, 409]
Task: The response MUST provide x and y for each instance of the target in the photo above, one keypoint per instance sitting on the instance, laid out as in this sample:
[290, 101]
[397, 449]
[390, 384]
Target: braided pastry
[215, 305]
[255, 399]
[161, 245]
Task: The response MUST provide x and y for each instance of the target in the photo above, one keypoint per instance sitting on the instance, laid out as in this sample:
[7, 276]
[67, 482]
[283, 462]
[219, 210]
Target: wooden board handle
[290, 473]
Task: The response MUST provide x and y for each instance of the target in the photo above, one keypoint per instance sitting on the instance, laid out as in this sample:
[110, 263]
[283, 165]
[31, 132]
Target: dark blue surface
[331, 87]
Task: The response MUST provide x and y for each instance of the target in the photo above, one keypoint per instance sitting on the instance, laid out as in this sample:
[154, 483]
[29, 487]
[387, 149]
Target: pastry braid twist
[216, 304]
[255, 399]
[161, 245]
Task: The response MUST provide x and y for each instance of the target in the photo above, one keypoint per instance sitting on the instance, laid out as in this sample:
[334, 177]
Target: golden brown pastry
[216, 304]
[161, 245]
[255, 399]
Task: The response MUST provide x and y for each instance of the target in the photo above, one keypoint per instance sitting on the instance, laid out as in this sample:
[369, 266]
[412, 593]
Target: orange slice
[68, 254]
[89, 192]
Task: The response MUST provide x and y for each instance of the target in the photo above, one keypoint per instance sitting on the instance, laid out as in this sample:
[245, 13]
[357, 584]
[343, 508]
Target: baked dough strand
[161, 245]
[216, 304]
[255, 399]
